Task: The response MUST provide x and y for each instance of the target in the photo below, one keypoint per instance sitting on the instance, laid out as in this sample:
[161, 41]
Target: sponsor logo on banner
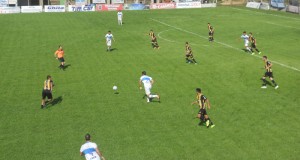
[135, 6]
[253, 5]
[189, 5]
[99, 1]
[83, 8]
[162, 5]
[55, 8]
[109, 7]
[117, 1]
[31, 9]
[6, 10]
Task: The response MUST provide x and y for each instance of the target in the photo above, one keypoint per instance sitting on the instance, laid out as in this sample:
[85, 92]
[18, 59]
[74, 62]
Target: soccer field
[251, 123]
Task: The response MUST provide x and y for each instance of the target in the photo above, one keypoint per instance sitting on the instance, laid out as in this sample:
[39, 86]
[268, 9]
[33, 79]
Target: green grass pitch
[251, 123]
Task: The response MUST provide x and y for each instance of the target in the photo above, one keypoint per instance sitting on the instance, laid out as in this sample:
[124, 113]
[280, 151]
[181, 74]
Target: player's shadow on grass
[55, 101]
[112, 49]
[66, 66]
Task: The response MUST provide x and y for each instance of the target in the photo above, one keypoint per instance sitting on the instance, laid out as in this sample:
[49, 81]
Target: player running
[245, 37]
[189, 54]
[253, 44]
[90, 150]
[148, 83]
[269, 73]
[59, 55]
[120, 17]
[108, 38]
[47, 91]
[211, 32]
[203, 103]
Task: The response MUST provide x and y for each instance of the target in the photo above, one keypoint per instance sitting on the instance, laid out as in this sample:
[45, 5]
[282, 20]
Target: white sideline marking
[224, 44]
[165, 38]
[285, 26]
[266, 13]
[159, 35]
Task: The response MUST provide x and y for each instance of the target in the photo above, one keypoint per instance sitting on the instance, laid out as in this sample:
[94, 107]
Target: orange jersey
[59, 53]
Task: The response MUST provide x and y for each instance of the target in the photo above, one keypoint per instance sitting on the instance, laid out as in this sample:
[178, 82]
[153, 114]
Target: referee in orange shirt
[59, 54]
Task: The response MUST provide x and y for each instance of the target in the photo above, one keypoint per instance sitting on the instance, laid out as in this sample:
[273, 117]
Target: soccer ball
[115, 88]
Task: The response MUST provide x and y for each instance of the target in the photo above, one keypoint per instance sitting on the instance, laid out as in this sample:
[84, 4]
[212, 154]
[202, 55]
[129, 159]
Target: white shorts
[108, 43]
[246, 44]
[147, 90]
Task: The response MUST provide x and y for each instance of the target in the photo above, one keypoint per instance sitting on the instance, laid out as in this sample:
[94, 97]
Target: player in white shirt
[109, 37]
[148, 82]
[90, 150]
[120, 17]
[245, 37]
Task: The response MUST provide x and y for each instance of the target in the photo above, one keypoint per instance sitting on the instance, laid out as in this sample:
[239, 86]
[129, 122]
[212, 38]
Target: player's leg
[187, 58]
[148, 93]
[201, 118]
[62, 63]
[209, 36]
[264, 85]
[251, 49]
[209, 122]
[154, 96]
[257, 49]
[108, 45]
[247, 47]
[193, 59]
[273, 81]
[43, 99]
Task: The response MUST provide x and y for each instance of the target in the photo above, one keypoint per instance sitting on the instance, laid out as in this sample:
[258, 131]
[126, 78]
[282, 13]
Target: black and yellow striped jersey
[48, 84]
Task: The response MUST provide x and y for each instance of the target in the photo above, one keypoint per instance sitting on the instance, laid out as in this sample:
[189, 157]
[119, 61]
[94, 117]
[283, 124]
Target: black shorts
[253, 45]
[269, 74]
[210, 33]
[189, 55]
[46, 93]
[61, 59]
[202, 112]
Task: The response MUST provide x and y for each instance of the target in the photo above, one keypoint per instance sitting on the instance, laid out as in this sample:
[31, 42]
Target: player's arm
[207, 103]
[100, 154]
[81, 154]
[51, 86]
[195, 102]
[140, 84]
[151, 81]
[55, 54]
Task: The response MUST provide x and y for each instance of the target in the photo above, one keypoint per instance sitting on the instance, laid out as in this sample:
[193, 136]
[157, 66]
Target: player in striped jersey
[211, 32]
[269, 73]
[189, 57]
[253, 44]
[203, 103]
[47, 91]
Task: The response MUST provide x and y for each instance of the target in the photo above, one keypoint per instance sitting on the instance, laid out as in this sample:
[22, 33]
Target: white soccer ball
[115, 88]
